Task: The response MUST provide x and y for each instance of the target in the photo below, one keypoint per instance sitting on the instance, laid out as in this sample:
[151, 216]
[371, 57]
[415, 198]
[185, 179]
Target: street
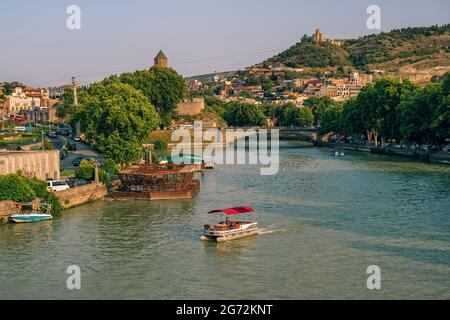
[83, 150]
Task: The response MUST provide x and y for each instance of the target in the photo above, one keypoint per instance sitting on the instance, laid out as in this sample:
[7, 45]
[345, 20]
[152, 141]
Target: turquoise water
[324, 221]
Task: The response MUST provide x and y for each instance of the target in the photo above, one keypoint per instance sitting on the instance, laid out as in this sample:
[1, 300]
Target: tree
[330, 119]
[48, 145]
[244, 114]
[290, 115]
[86, 170]
[118, 118]
[164, 88]
[417, 114]
[317, 105]
[14, 187]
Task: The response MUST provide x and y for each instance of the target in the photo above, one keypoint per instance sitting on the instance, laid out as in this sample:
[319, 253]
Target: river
[323, 220]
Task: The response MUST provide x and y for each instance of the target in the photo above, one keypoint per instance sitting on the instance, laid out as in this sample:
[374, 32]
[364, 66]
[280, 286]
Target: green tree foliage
[290, 115]
[160, 145]
[425, 115]
[110, 167]
[86, 170]
[164, 88]
[391, 109]
[16, 188]
[330, 118]
[48, 145]
[305, 54]
[244, 114]
[118, 118]
[317, 105]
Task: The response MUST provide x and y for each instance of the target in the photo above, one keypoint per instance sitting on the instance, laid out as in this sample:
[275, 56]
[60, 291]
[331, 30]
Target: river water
[324, 221]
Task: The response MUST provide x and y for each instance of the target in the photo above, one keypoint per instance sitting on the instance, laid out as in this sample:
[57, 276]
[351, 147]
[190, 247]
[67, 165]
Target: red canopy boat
[230, 230]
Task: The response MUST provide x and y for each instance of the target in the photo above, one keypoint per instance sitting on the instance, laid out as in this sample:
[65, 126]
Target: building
[191, 107]
[319, 37]
[40, 164]
[18, 101]
[161, 60]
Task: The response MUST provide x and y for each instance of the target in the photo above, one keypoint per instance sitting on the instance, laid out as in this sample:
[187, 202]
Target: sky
[198, 36]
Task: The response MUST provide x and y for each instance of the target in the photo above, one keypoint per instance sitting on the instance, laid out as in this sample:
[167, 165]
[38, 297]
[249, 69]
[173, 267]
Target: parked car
[52, 135]
[75, 182]
[76, 162]
[56, 185]
[77, 138]
[62, 155]
[17, 148]
[72, 146]
[446, 148]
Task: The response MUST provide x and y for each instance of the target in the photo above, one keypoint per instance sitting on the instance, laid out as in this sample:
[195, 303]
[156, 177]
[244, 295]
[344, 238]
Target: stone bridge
[292, 133]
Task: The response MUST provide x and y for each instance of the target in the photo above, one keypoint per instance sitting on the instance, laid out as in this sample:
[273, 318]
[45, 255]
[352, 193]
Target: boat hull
[230, 237]
[29, 218]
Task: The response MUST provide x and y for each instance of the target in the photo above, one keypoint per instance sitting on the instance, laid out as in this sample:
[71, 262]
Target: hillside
[417, 53]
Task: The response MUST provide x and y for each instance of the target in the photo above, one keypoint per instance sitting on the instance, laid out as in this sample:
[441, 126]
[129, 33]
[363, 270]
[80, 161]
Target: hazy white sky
[198, 36]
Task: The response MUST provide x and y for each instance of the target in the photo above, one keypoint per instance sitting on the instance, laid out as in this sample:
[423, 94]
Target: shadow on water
[418, 254]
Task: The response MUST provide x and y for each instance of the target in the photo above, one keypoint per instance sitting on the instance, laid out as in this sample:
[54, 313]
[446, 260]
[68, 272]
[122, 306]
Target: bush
[160, 145]
[110, 167]
[16, 188]
[13, 187]
[86, 171]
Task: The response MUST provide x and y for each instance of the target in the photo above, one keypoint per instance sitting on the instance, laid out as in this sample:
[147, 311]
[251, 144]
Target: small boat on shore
[32, 212]
[208, 163]
[230, 230]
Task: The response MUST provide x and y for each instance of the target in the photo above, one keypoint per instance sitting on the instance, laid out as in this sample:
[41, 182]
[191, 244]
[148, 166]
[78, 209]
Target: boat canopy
[233, 211]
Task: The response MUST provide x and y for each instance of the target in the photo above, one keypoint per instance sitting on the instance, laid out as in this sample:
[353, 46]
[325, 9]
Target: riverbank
[435, 157]
[68, 199]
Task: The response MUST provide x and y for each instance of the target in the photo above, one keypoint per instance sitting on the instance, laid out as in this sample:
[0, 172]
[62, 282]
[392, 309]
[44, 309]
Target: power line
[173, 64]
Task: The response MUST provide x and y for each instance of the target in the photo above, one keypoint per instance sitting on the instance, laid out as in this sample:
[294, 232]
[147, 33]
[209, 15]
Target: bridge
[292, 133]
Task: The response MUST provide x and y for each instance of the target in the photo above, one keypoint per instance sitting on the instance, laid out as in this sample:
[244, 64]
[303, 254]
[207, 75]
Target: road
[83, 150]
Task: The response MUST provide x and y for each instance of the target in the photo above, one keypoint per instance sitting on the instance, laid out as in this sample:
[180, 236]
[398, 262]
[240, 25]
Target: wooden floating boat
[230, 230]
[39, 212]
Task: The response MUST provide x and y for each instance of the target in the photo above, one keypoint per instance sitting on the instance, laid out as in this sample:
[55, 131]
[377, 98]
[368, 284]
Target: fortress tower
[161, 60]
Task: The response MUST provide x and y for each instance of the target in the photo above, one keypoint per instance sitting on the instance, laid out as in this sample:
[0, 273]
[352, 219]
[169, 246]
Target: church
[161, 60]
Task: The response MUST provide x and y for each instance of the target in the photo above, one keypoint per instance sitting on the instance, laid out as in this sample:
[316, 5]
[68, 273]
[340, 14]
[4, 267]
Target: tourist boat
[208, 163]
[230, 230]
[32, 212]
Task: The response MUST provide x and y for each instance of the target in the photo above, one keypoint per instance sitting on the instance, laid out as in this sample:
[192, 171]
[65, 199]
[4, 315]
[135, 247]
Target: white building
[19, 101]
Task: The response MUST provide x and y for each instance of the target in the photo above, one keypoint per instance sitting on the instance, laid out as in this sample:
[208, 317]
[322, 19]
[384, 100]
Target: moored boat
[36, 212]
[230, 230]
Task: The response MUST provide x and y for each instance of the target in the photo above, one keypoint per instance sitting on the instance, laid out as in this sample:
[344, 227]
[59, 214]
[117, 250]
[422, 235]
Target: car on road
[52, 135]
[77, 138]
[57, 185]
[75, 182]
[62, 155]
[446, 148]
[72, 146]
[17, 148]
[77, 161]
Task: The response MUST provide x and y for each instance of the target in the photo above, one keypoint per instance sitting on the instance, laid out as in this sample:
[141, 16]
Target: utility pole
[75, 103]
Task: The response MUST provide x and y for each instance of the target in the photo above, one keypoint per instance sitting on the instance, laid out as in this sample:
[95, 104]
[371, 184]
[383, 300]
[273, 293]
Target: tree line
[118, 114]
[393, 110]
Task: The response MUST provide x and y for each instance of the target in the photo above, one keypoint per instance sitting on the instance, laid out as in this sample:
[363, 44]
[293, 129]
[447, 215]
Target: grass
[67, 173]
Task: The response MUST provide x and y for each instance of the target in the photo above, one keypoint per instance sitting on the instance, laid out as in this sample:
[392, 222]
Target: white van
[56, 185]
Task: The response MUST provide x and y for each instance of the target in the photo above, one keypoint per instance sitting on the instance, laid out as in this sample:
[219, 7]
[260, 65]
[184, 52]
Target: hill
[417, 53]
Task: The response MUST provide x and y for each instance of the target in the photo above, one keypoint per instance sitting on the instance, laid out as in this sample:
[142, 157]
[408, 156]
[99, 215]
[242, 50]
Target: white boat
[39, 212]
[230, 230]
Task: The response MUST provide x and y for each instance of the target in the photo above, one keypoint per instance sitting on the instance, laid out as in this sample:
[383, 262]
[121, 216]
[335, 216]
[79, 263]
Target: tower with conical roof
[161, 60]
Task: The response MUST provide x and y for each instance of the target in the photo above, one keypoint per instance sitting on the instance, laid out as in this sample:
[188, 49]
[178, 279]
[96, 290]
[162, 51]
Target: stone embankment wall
[77, 196]
[7, 208]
